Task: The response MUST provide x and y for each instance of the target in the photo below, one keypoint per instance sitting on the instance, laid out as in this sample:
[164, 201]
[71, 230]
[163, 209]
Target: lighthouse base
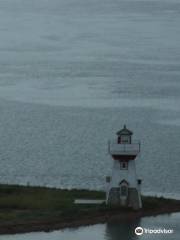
[132, 200]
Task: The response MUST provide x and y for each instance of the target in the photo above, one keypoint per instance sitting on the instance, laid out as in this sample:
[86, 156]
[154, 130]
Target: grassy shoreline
[27, 209]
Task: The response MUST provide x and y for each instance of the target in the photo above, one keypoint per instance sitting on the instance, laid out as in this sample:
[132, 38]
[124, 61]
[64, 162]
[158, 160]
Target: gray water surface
[115, 231]
[72, 73]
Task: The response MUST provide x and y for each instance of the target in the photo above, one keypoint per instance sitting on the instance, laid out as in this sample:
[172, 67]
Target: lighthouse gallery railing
[119, 148]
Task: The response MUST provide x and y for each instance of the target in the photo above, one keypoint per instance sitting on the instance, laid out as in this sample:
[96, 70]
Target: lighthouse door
[123, 192]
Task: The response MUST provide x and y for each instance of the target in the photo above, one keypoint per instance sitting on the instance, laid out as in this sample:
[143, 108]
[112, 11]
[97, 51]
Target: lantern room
[124, 136]
[123, 147]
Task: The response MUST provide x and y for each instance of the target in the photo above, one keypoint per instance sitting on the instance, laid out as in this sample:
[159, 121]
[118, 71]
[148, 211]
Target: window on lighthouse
[125, 139]
[123, 165]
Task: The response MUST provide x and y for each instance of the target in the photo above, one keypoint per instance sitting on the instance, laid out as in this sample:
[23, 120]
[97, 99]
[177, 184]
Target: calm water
[113, 231]
[72, 73]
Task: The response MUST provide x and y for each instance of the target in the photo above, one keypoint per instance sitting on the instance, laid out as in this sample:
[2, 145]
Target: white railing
[117, 148]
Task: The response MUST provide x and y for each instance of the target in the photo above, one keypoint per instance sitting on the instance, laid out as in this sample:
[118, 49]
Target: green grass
[21, 202]
[150, 203]
[21, 197]
[24, 203]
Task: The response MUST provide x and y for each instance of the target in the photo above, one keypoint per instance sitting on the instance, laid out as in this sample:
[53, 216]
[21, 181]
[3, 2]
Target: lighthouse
[123, 186]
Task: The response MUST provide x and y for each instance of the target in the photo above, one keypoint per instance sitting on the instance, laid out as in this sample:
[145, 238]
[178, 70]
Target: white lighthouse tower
[123, 187]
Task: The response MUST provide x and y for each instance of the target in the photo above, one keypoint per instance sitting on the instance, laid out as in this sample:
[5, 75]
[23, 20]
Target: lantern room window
[125, 139]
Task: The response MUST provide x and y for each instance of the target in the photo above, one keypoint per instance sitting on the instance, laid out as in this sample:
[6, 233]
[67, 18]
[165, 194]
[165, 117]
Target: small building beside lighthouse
[123, 186]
